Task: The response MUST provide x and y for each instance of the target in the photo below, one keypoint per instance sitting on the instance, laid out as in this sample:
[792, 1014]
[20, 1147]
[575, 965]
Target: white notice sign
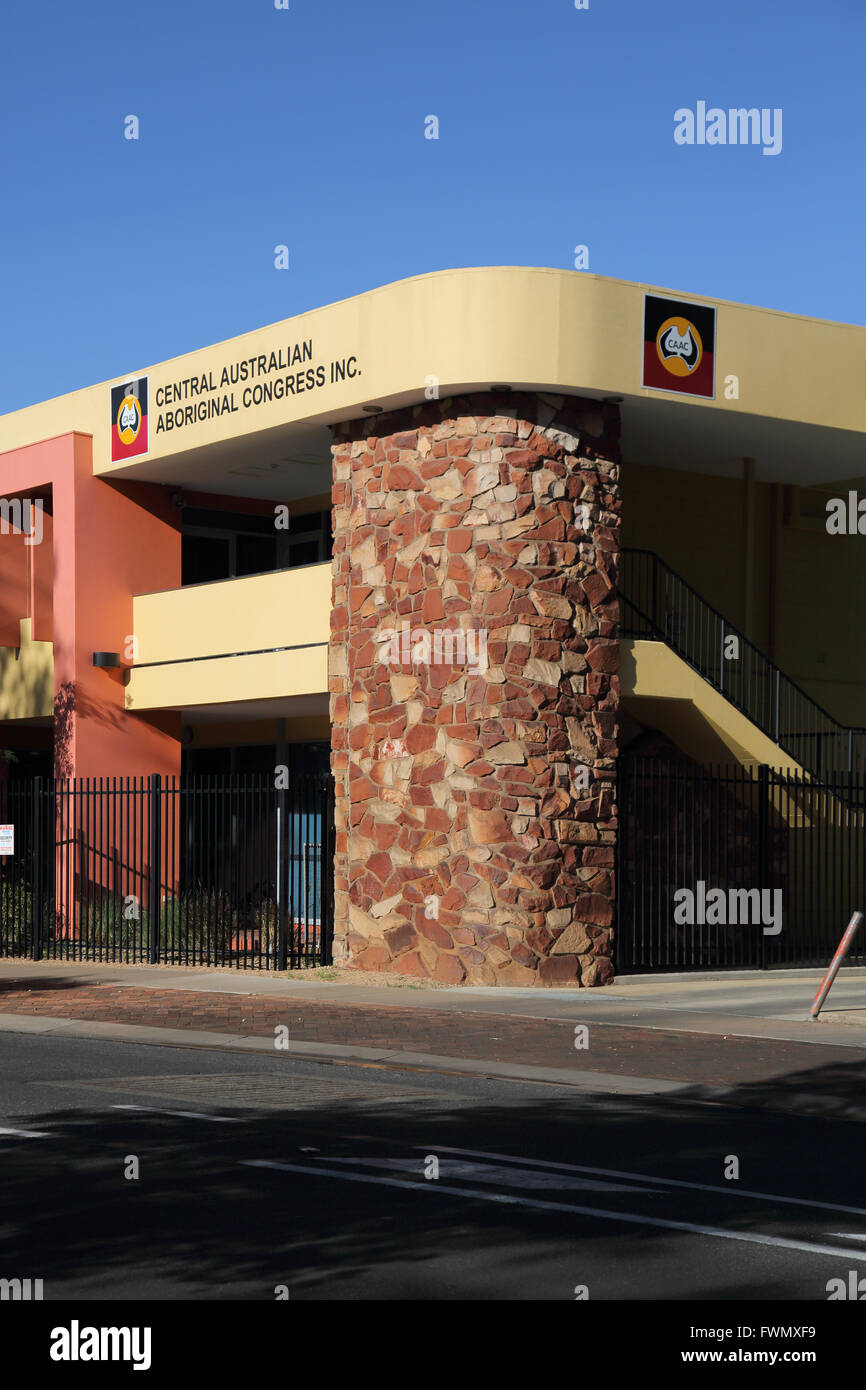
[7, 839]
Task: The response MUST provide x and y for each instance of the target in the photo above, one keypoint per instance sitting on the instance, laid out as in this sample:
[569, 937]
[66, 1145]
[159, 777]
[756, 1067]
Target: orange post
[841, 953]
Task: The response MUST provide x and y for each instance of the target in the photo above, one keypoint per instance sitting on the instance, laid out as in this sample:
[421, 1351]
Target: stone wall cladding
[467, 849]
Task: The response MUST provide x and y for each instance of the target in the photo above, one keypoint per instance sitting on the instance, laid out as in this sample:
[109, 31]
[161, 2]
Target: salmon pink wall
[109, 543]
[13, 586]
[41, 560]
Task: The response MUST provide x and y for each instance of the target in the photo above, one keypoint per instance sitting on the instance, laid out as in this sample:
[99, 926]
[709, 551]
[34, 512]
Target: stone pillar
[474, 691]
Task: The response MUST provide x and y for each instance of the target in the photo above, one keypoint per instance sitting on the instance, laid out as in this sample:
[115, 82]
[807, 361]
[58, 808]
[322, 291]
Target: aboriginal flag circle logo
[679, 347]
[129, 419]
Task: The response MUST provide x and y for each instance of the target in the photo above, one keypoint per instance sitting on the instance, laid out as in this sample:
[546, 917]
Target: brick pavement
[647, 1052]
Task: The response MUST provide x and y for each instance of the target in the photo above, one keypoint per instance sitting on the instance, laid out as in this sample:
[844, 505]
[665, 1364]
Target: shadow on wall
[67, 702]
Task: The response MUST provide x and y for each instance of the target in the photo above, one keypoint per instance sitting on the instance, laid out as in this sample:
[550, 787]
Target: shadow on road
[199, 1223]
[835, 1089]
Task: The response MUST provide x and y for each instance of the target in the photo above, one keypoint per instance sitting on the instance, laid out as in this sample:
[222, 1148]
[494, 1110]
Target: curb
[597, 1083]
[239, 1042]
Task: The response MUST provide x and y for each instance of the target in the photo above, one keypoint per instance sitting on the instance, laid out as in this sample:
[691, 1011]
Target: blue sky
[305, 127]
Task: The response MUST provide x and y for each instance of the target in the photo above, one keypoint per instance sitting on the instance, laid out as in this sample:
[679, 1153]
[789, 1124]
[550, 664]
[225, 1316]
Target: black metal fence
[728, 867]
[195, 870]
[656, 603]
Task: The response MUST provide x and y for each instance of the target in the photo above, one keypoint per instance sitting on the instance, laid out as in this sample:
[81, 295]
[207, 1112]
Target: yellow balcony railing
[259, 638]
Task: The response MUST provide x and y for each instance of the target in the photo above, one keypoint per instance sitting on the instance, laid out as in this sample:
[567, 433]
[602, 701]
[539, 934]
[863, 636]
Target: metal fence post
[763, 857]
[326, 870]
[155, 875]
[38, 868]
[819, 748]
[282, 879]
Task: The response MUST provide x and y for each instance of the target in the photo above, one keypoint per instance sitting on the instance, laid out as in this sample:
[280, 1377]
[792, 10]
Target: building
[475, 540]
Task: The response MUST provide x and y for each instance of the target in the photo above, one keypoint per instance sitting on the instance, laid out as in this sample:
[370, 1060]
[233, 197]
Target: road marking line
[497, 1173]
[734, 1190]
[627, 1218]
[28, 1133]
[182, 1114]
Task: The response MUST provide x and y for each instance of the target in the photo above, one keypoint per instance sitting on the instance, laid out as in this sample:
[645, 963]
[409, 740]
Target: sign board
[679, 346]
[7, 839]
[129, 420]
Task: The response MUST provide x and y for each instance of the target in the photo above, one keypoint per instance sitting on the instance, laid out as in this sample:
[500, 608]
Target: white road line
[847, 1235]
[496, 1173]
[182, 1114]
[627, 1218]
[734, 1190]
[27, 1133]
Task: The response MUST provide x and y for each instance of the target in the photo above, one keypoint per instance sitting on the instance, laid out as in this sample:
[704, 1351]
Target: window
[228, 545]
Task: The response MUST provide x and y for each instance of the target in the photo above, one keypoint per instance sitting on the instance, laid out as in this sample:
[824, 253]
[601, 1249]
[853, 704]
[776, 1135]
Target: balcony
[264, 637]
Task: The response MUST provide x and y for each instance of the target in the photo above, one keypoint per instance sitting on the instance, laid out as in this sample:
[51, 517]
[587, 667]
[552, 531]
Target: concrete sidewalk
[768, 1004]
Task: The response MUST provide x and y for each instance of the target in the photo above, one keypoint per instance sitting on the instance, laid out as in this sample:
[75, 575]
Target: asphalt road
[258, 1172]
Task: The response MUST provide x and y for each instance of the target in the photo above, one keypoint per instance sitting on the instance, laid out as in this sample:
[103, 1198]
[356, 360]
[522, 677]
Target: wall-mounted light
[372, 409]
[500, 388]
[612, 400]
[105, 659]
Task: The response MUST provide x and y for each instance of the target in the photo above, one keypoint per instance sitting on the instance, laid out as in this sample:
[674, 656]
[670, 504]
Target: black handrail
[657, 603]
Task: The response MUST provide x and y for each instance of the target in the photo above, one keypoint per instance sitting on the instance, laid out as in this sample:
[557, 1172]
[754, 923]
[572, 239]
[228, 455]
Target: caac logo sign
[679, 346]
[129, 419]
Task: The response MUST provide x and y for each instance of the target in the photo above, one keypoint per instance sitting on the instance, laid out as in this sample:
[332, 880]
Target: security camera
[179, 500]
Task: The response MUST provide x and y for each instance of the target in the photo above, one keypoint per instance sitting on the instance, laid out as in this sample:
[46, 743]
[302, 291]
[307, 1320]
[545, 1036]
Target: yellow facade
[753, 547]
[27, 678]
[257, 638]
[542, 329]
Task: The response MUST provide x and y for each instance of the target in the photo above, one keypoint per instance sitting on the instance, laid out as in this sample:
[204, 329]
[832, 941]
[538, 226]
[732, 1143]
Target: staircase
[657, 605]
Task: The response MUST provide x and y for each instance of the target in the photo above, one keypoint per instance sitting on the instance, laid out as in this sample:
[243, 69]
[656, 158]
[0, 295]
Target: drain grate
[255, 1092]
